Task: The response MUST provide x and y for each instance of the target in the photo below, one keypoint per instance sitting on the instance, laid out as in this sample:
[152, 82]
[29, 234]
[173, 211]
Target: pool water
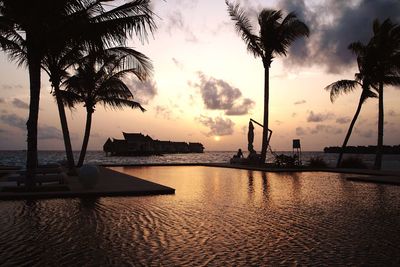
[217, 217]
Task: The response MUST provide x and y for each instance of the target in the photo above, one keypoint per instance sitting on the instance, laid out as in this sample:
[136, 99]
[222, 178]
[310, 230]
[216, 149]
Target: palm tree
[29, 30]
[99, 79]
[276, 35]
[25, 27]
[97, 25]
[384, 55]
[347, 86]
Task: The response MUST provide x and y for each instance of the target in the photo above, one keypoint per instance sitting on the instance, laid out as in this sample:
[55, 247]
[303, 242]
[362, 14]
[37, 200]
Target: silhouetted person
[239, 154]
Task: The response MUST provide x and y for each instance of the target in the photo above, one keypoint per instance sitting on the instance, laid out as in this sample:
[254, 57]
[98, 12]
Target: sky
[206, 86]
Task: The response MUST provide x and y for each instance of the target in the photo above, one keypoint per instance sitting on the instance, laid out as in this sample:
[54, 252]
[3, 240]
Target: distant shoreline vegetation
[363, 149]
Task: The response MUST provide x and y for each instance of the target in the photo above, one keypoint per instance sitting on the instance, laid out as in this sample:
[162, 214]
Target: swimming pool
[216, 217]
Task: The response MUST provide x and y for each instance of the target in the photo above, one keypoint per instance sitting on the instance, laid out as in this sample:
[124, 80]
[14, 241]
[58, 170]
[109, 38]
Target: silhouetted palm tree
[99, 79]
[276, 35]
[111, 25]
[29, 30]
[347, 86]
[25, 29]
[384, 55]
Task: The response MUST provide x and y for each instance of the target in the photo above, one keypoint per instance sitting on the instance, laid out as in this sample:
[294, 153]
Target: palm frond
[244, 29]
[70, 99]
[357, 48]
[121, 103]
[366, 93]
[290, 30]
[391, 80]
[341, 87]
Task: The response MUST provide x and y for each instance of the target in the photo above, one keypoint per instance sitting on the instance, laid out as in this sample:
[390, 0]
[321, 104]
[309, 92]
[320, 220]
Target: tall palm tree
[347, 86]
[384, 55]
[275, 37]
[25, 29]
[29, 30]
[99, 79]
[113, 25]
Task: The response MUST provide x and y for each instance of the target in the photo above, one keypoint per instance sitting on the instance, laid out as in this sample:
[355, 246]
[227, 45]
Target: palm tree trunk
[64, 127]
[378, 157]
[85, 138]
[32, 123]
[350, 130]
[265, 144]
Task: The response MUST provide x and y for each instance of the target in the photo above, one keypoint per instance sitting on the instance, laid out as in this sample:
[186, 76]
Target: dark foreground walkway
[110, 183]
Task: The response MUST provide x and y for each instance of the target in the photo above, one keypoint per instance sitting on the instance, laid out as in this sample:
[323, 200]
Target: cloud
[300, 102]
[241, 109]
[392, 113]
[300, 131]
[175, 21]
[365, 134]
[319, 117]
[14, 121]
[333, 26]
[49, 132]
[328, 129]
[343, 120]
[218, 126]
[1, 100]
[220, 95]
[294, 114]
[143, 92]
[11, 86]
[44, 131]
[177, 63]
[164, 112]
[18, 103]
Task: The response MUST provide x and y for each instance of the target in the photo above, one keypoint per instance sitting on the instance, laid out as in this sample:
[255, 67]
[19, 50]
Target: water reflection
[250, 174]
[217, 216]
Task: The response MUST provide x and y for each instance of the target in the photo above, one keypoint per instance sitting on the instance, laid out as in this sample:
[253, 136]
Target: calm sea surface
[217, 217]
[390, 162]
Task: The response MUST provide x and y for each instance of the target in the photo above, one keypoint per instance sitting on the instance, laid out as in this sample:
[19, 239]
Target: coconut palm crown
[99, 78]
[383, 62]
[30, 30]
[347, 86]
[276, 35]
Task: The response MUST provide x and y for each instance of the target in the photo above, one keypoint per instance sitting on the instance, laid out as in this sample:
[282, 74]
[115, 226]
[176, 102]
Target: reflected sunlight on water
[217, 216]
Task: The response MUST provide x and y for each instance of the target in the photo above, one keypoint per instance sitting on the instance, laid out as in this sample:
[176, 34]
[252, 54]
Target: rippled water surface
[218, 217]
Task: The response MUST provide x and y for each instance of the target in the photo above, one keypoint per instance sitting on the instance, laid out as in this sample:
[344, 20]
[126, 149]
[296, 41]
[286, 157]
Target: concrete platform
[393, 180]
[110, 183]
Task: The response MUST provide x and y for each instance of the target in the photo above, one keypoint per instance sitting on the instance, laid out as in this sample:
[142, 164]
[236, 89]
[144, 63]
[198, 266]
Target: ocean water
[217, 217]
[18, 158]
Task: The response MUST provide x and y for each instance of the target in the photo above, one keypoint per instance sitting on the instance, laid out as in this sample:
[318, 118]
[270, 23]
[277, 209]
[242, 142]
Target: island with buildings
[363, 149]
[137, 144]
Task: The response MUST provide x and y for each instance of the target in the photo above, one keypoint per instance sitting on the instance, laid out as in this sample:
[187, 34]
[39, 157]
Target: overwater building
[137, 144]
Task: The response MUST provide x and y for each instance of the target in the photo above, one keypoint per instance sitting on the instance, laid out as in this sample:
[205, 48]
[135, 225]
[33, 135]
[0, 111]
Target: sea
[18, 158]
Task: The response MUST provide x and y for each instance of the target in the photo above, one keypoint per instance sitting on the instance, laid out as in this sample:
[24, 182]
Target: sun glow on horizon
[217, 138]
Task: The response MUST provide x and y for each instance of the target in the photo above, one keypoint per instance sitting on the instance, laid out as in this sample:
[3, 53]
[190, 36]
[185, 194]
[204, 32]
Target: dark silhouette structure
[277, 33]
[137, 144]
[362, 149]
[99, 79]
[346, 86]
[32, 32]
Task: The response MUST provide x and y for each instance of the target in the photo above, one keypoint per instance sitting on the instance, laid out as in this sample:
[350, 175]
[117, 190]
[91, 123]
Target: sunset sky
[205, 86]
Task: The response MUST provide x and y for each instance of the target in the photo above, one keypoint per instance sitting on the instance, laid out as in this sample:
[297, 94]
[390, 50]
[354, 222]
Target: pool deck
[110, 183]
